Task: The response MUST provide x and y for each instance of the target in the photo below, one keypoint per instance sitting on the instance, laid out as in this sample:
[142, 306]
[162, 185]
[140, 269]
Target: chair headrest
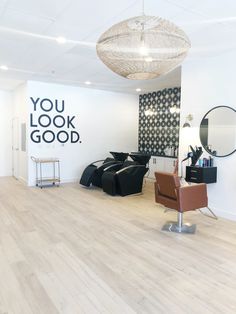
[128, 163]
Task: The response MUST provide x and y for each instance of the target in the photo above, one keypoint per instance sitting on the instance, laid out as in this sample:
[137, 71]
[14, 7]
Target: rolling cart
[42, 181]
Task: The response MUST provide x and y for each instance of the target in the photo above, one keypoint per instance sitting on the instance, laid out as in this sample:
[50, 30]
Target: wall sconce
[174, 109]
[188, 119]
[150, 112]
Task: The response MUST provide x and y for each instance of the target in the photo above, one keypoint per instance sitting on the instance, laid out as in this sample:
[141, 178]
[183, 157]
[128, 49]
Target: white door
[15, 147]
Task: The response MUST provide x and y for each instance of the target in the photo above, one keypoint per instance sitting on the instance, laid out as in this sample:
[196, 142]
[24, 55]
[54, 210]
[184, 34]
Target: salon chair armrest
[129, 168]
[97, 161]
[114, 166]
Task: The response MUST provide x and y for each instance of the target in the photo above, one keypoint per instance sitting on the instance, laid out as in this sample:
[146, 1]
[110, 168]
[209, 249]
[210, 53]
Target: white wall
[207, 83]
[105, 121]
[6, 109]
[20, 112]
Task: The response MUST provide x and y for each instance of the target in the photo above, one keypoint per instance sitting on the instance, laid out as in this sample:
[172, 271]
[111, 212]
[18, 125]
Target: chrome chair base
[173, 226]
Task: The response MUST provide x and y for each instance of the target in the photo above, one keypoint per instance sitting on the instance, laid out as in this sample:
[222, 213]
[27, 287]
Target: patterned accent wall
[158, 127]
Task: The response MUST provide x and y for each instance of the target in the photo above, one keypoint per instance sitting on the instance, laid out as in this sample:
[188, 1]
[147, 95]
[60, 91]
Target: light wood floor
[75, 250]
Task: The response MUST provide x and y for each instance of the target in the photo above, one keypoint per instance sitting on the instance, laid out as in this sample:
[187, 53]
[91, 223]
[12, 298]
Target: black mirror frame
[200, 131]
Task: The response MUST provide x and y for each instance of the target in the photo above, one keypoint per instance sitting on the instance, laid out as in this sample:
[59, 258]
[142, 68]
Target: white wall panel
[207, 83]
[106, 121]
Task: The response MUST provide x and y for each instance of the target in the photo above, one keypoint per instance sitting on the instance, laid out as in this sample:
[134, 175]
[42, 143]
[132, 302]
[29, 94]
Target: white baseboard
[230, 214]
[71, 180]
[22, 180]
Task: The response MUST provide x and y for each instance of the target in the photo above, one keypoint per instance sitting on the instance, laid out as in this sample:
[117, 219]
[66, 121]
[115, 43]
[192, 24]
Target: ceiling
[29, 28]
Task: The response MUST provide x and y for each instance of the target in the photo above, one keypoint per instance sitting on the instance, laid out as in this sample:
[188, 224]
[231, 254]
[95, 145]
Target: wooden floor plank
[74, 250]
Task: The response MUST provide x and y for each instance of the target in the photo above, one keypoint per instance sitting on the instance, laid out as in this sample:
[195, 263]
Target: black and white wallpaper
[159, 119]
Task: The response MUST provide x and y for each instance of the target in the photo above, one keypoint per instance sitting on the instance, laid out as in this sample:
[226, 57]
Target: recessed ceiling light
[61, 40]
[149, 59]
[87, 82]
[172, 109]
[143, 50]
[138, 89]
[4, 67]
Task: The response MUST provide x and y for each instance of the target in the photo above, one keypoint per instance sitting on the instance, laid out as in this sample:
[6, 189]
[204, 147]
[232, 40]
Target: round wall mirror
[218, 131]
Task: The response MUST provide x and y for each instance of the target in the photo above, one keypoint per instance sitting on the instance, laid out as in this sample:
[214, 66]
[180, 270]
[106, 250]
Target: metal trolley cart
[42, 181]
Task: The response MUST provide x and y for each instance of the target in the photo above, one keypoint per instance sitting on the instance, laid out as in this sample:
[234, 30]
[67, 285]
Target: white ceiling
[28, 29]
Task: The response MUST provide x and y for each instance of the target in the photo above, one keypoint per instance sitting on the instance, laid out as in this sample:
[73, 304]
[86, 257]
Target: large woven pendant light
[143, 47]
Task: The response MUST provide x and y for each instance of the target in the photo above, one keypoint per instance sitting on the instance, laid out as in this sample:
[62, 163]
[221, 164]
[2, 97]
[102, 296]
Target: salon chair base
[178, 226]
[173, 226]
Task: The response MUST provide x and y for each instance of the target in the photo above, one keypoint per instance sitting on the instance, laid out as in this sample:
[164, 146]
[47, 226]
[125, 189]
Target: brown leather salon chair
[170, 193]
